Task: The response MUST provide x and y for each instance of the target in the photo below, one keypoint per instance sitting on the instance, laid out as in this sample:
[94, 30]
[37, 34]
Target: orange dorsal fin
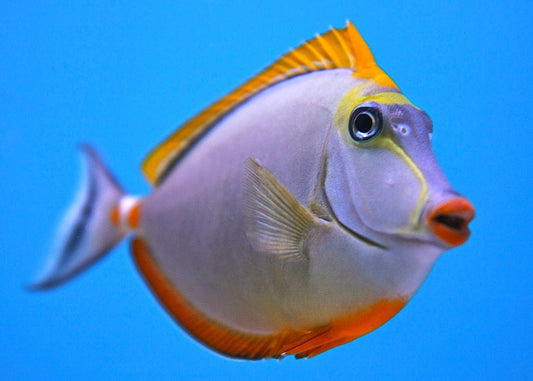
[337, 48]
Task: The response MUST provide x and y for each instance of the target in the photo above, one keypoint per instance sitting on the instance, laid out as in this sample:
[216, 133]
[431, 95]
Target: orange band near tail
[134, 216]
[126, 214]
[115, 216]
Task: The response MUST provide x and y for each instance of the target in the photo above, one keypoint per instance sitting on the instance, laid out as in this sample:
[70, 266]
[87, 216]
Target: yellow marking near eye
[389, 144]
[388, 98]
[360, 95]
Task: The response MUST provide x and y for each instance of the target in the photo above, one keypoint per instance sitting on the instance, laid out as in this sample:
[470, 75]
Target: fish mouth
[449, 221]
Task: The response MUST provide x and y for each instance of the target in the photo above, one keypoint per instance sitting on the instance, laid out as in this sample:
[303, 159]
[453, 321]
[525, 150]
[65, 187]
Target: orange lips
[449, 221]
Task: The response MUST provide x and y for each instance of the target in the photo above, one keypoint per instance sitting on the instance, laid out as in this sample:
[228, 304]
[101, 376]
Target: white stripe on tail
[87, 232]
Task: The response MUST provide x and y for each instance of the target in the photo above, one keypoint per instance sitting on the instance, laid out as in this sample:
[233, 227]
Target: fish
[296, 214]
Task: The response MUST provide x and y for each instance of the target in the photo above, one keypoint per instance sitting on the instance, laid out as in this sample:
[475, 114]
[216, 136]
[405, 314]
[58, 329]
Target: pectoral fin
[276, 222]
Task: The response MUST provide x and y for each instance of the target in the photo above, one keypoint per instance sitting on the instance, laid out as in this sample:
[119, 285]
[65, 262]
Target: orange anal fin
[223, 339]
[310, 342]
[323, 348]
[234, 343]
[345, 329]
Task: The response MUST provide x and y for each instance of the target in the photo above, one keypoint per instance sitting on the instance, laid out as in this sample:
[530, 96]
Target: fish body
[299, 212]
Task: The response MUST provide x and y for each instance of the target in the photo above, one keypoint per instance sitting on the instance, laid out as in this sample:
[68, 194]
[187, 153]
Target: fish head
[382, 178]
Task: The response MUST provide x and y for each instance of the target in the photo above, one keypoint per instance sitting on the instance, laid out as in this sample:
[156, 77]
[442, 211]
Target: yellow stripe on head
[362, 94]
[392, 146]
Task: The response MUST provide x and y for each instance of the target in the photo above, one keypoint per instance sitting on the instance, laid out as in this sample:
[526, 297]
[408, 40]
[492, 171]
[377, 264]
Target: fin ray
[276, 221]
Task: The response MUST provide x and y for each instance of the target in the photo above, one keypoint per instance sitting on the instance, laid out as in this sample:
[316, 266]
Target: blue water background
[122, 75]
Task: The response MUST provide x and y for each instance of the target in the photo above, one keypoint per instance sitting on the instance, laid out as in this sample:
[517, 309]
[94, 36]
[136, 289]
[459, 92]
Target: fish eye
[365, 123]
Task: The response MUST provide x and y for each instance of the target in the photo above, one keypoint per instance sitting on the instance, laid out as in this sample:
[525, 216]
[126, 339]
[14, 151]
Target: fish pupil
[364, 122]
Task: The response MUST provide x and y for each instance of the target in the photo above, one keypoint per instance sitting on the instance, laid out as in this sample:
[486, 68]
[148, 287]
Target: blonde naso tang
[295, 214]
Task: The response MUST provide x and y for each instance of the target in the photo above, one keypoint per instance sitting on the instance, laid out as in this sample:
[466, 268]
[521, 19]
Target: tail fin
[86, 233]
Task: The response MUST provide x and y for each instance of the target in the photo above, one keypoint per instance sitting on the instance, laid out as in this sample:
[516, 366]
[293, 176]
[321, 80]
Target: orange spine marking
[363, 55]
[292, 64]
[304, 59]
[281, 69]
[329, 50]
[342, 42]
[263, 81]
[316, 55]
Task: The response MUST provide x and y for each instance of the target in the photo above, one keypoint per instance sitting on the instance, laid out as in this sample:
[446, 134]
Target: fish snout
[449, 220]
